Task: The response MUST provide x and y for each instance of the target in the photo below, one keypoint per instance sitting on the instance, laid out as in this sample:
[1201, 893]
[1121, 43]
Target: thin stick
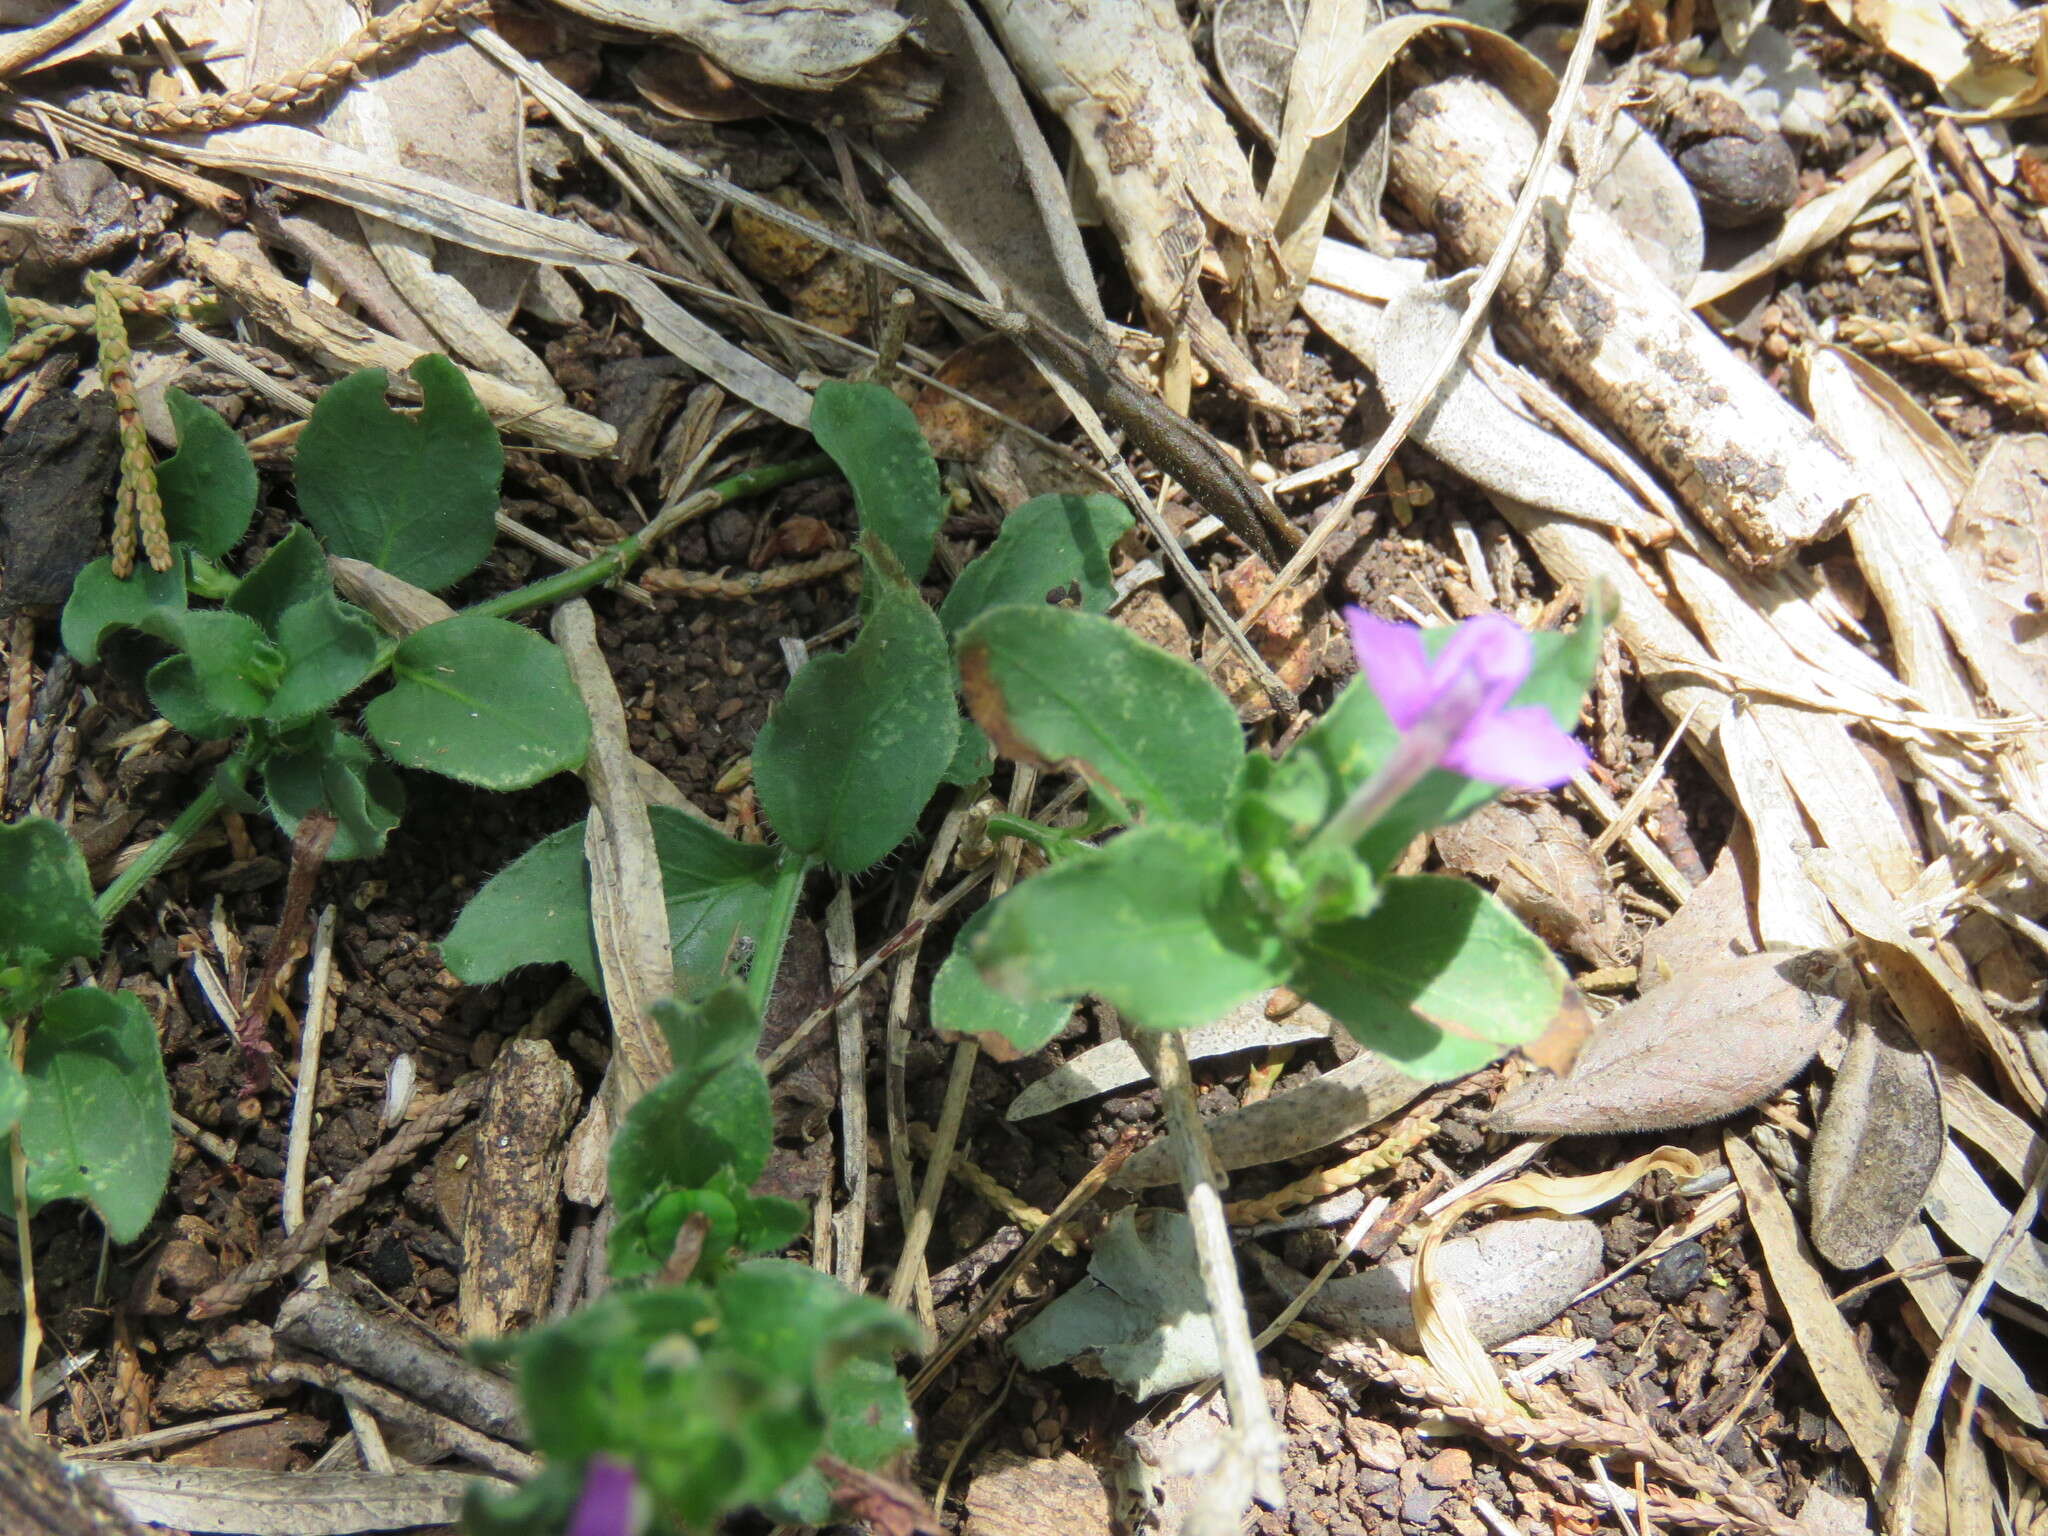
[946, 1138]
[1563, 109]
[849, 1226]
[1257, 1437]
[299, 1138]
[1089, 1186]
[910, 1272]
[31, 1320]
[1906, 1457]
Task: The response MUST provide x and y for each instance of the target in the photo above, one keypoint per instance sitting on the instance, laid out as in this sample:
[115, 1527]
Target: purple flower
[606, 1507]
[1454, 708]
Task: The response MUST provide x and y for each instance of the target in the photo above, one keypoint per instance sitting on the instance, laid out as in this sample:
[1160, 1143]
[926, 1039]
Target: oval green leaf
[209, 484]
[415, 495]
[97, 1125]
[1156, 923]
[1054, 686]
[877, 444]
[46, 910]
[1050, 544]
[849, 758]
[1440, 978]
[484, 701]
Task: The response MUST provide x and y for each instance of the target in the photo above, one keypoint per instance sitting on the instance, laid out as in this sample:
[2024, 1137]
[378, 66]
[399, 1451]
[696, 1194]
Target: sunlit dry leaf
[1713, 926]
[1540, 862]
[1511, 1276]
[1833, 1357]
[1700, 1047]
[1173, 183]
[804, 47]
[1875, 1150]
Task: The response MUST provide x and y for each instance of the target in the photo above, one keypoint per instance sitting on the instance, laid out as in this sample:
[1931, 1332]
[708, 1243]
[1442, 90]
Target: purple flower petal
[1395, 665]
[1494, 651]
[606, 1507]
[1520, 748]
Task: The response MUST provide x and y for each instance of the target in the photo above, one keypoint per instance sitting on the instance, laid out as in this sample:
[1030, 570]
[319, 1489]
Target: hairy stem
[154, 859]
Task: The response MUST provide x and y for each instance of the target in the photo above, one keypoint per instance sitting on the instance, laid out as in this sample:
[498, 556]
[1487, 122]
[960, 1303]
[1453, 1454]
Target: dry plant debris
[1801, 478]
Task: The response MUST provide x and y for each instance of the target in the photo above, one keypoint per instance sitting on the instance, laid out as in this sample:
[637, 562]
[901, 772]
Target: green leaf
[209, 484]
[965, 1004]
[46, 911]
[867, 1412]
[13, 1087]
[329, 648]
[1046, 545]
[226, 671]
[97, 1125]
[974, 756]
[849, 758]
[1052, 685]
[536, 910]
[293, 571]
[711, 1113]
[484, 701]
[102, 602]
[875, 440]
[324, 765]
[1440, 978]
[415, 495]
[6, 321]
[1156, 923]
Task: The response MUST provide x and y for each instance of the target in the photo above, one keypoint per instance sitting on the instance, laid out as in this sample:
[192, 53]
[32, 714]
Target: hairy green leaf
[848, 760]
[46, 911]
[536, 910]
[1440, 978]
[965, 1004]
[1156, 923]
[97, 1125]
[1051, 544]
[209, 484]
[481, 700]
[1055, 686]
[102, 602]
[415, 495]
[322, 765]
[329, 648]
[877, 444]
[225, 671]
[292, 571]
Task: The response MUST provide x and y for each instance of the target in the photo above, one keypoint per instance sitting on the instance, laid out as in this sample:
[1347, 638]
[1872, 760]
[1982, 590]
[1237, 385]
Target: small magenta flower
[1452, 712]
[1457, 703]
[606, 1505]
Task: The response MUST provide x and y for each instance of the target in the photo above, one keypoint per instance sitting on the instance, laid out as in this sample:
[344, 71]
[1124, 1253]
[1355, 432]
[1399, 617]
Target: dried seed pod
[1741, 172]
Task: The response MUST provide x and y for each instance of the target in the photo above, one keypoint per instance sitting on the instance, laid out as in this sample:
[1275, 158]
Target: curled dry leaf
[1700, 1047]
[1714, 925]
[1541, 864]
[1876, 1149]
[1512, 1276]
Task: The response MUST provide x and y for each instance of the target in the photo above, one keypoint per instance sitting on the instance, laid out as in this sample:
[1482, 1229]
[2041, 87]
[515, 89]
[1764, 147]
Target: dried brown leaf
[1876, 1149]
[1541, 864]
[1699, 1048]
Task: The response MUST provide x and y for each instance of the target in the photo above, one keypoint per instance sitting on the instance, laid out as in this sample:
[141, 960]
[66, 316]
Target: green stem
[157, 856]
[614, 562]
[789, 886]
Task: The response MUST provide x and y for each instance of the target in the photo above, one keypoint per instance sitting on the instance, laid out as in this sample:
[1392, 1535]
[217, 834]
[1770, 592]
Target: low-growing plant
[1230, 872]
[264, 657]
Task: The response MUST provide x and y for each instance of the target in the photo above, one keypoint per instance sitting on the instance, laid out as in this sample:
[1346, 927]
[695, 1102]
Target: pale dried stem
[960, 1078]
[1257, 1437]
